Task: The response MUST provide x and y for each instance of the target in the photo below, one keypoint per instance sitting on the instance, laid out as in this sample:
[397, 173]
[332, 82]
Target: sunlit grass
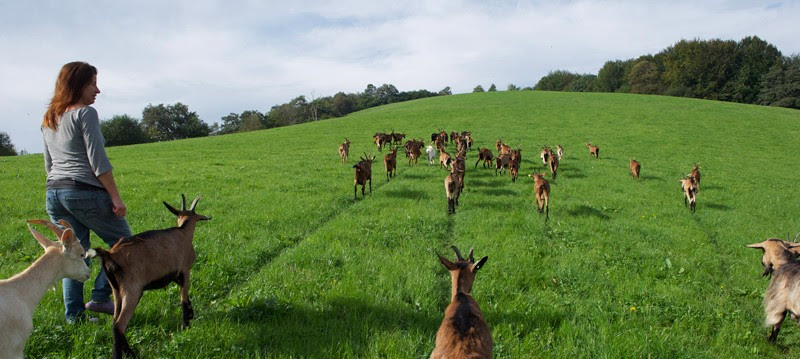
[291, 266]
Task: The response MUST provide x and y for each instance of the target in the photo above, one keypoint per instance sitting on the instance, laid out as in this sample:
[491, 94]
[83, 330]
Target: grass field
[291, 266]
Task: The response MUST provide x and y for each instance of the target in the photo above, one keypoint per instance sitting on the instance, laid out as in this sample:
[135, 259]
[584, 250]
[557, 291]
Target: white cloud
[220, 57]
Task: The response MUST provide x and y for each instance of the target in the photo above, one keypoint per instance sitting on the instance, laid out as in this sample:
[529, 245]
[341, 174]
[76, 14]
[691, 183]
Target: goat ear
[446, 262]
[43, 241]
[756, 245]
[68, 238]
[171, 209]
[480, 264]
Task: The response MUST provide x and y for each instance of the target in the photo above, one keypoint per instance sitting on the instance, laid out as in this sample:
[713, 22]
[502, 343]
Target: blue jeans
[86, 210]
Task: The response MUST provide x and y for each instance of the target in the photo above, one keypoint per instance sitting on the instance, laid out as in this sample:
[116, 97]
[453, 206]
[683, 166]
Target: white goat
[20, 294]
[431, 151]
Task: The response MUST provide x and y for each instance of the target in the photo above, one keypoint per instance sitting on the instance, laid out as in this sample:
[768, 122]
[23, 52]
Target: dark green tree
[612, 76]
[478, 88]
[230, 124]
[492, 88]
[512, 87]
[123, 130]
[755, 57]
[584, 83]
[558, 80]
[252, 121]
[781, 85]
[445, 91]
[166, 123]
[6, 147]
[645, 78]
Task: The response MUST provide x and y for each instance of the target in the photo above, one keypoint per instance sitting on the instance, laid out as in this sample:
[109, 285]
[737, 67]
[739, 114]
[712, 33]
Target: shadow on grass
[651, 178]
[500, 192]
[717, 206]
[348, 326]
[586, 211]
[710, 187]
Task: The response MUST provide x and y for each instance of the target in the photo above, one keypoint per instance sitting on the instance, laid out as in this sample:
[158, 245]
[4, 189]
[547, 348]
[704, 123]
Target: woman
[80, 185]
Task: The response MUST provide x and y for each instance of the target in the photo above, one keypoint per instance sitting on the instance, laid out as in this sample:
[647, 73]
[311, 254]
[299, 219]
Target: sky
[221, 57]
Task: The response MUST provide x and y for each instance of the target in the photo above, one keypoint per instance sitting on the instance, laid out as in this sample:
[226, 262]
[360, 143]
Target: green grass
[290, 266]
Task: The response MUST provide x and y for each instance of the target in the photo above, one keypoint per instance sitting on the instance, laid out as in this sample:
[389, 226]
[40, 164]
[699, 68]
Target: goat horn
[470, 256]
[458, 253]
[56, 229]
[183, 202]
[194, 203]
[795, 237]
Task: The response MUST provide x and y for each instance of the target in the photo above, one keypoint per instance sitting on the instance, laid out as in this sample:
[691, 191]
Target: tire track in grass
[265, 258]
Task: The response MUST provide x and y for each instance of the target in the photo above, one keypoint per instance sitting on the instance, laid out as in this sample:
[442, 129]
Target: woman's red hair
[71, 81]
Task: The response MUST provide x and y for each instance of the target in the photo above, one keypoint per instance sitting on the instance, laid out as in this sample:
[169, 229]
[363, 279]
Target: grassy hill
[291, 266]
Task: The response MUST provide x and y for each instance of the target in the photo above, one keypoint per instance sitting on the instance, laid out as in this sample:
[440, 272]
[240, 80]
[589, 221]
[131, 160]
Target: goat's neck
[32, 283]
[459, 285]
[188, 228]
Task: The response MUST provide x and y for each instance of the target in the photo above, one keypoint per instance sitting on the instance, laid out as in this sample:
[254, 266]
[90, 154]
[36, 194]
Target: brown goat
[545, 155]
[390, 163]
[502, 148]
[541, 189]
[444, 159]
[552, 163]
[560, 152]
[776, 253]
[397, 137]
[635, 167]
[783, 294]
[464, 332]
[415, 152]
[593, 150]
[344, 150]
[452, 188]
[150, 260]
[485, 155]
[381, 139]
[362, 174]
[689, 192]
[502, 162]
[695, 175]
[514, 163]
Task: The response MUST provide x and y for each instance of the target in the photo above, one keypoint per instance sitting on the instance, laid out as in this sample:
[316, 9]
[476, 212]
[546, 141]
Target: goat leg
[186, 304]
[129, 302]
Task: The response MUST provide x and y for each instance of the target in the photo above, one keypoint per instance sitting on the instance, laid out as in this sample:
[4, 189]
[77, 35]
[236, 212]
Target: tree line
[747, 71]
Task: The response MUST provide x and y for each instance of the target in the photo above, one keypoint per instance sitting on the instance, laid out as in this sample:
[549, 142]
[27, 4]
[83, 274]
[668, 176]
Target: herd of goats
[154, 259]
[508, 159]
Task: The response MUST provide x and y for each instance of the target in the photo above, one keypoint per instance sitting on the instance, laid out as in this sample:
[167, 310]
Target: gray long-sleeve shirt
[77, 150]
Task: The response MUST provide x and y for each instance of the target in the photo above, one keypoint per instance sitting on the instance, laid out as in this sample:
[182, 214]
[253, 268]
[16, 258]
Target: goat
[690, 192]
[468, 137]
[695, 175]
[545, 155]
[776, 253]
[390, 163]
[783, 293]
[514, 163]
[344, 150]
[415, 152]
[560, 152]
[453, 136]
[460, 166]
[502, 162]
[20, 294]
[593, 150]
[150, 260]
[502, 148]
[452, 188]
[463, 332]
[381, 139]
[552, 163]
[541, 189]
[362, 174]
[431, 152]
[397, 137]
[635, 167]
[444, 159]
[485, 155]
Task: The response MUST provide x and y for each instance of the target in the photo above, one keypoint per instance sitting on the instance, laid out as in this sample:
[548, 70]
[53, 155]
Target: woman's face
[90, 92]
